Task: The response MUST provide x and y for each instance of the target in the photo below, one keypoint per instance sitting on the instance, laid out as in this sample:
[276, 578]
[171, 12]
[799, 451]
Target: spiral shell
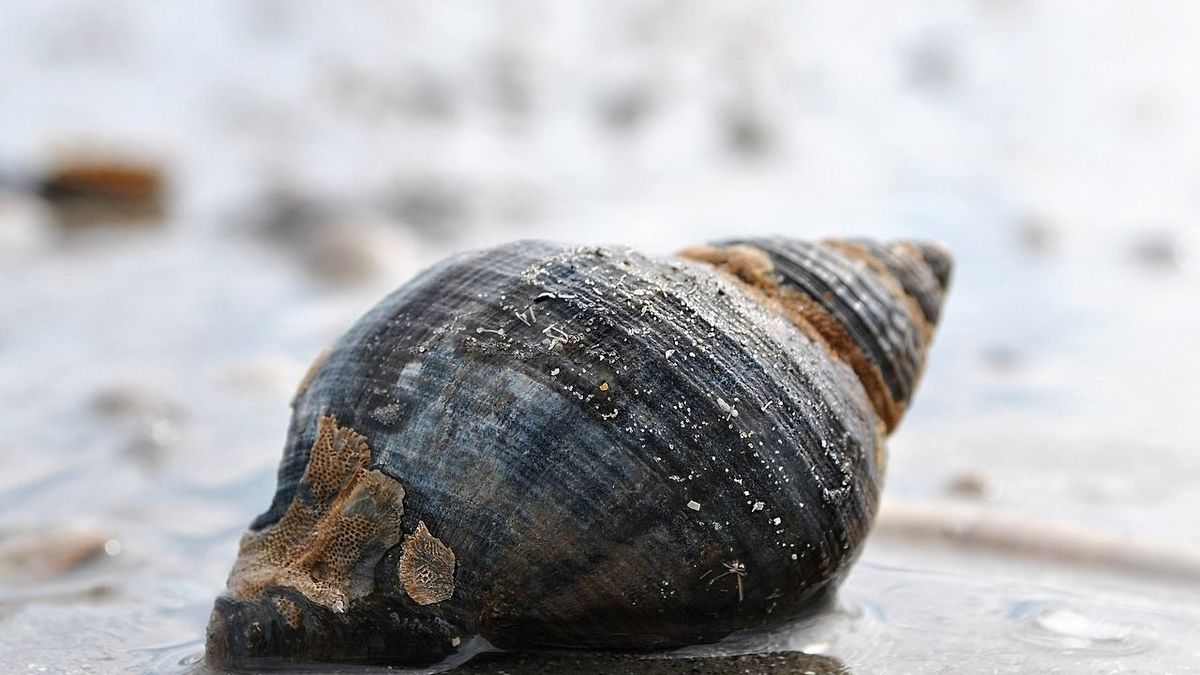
[585, 447]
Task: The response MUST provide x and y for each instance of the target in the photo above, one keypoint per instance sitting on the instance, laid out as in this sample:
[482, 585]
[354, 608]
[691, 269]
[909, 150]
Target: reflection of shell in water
[585, 447]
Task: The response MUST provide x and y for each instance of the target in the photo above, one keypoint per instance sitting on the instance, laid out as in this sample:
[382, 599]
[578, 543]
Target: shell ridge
[908, 266]
[866, 309]
[903, 325]
[890, 277]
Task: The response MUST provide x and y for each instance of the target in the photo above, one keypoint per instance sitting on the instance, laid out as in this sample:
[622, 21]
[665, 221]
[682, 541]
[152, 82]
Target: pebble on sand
[105, 192]
[42, 555]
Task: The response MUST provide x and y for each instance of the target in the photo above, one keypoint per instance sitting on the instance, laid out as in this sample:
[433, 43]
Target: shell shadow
[567, 663]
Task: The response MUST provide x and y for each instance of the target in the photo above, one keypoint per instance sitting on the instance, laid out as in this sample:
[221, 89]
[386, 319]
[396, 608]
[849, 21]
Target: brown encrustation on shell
[337, 527]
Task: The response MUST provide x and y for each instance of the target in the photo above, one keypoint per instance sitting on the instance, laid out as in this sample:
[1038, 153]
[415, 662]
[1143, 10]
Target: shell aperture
[584, 446]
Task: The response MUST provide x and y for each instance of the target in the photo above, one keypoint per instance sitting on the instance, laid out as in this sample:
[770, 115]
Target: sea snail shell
[585, 447]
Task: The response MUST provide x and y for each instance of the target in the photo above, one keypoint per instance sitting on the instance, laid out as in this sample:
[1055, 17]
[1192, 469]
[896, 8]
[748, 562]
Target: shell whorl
[873, 305]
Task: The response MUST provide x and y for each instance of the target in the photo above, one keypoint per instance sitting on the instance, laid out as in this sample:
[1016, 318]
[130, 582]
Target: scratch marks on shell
[527, 317]
[555, 336]
[737, 570]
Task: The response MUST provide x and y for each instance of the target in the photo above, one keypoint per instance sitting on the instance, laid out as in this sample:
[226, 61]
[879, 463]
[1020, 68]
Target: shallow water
[145, 371]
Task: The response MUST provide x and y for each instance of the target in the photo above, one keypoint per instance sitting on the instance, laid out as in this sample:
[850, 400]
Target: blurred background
[196, 197]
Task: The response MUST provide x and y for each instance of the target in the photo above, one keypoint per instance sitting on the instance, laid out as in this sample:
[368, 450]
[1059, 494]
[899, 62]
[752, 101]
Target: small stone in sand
[105, 192]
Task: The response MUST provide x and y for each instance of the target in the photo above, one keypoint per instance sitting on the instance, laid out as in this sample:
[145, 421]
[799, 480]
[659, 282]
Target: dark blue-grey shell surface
[553, 446]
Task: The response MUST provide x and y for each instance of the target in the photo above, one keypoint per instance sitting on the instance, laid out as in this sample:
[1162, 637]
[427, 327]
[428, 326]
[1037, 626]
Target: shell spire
[873, 305]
